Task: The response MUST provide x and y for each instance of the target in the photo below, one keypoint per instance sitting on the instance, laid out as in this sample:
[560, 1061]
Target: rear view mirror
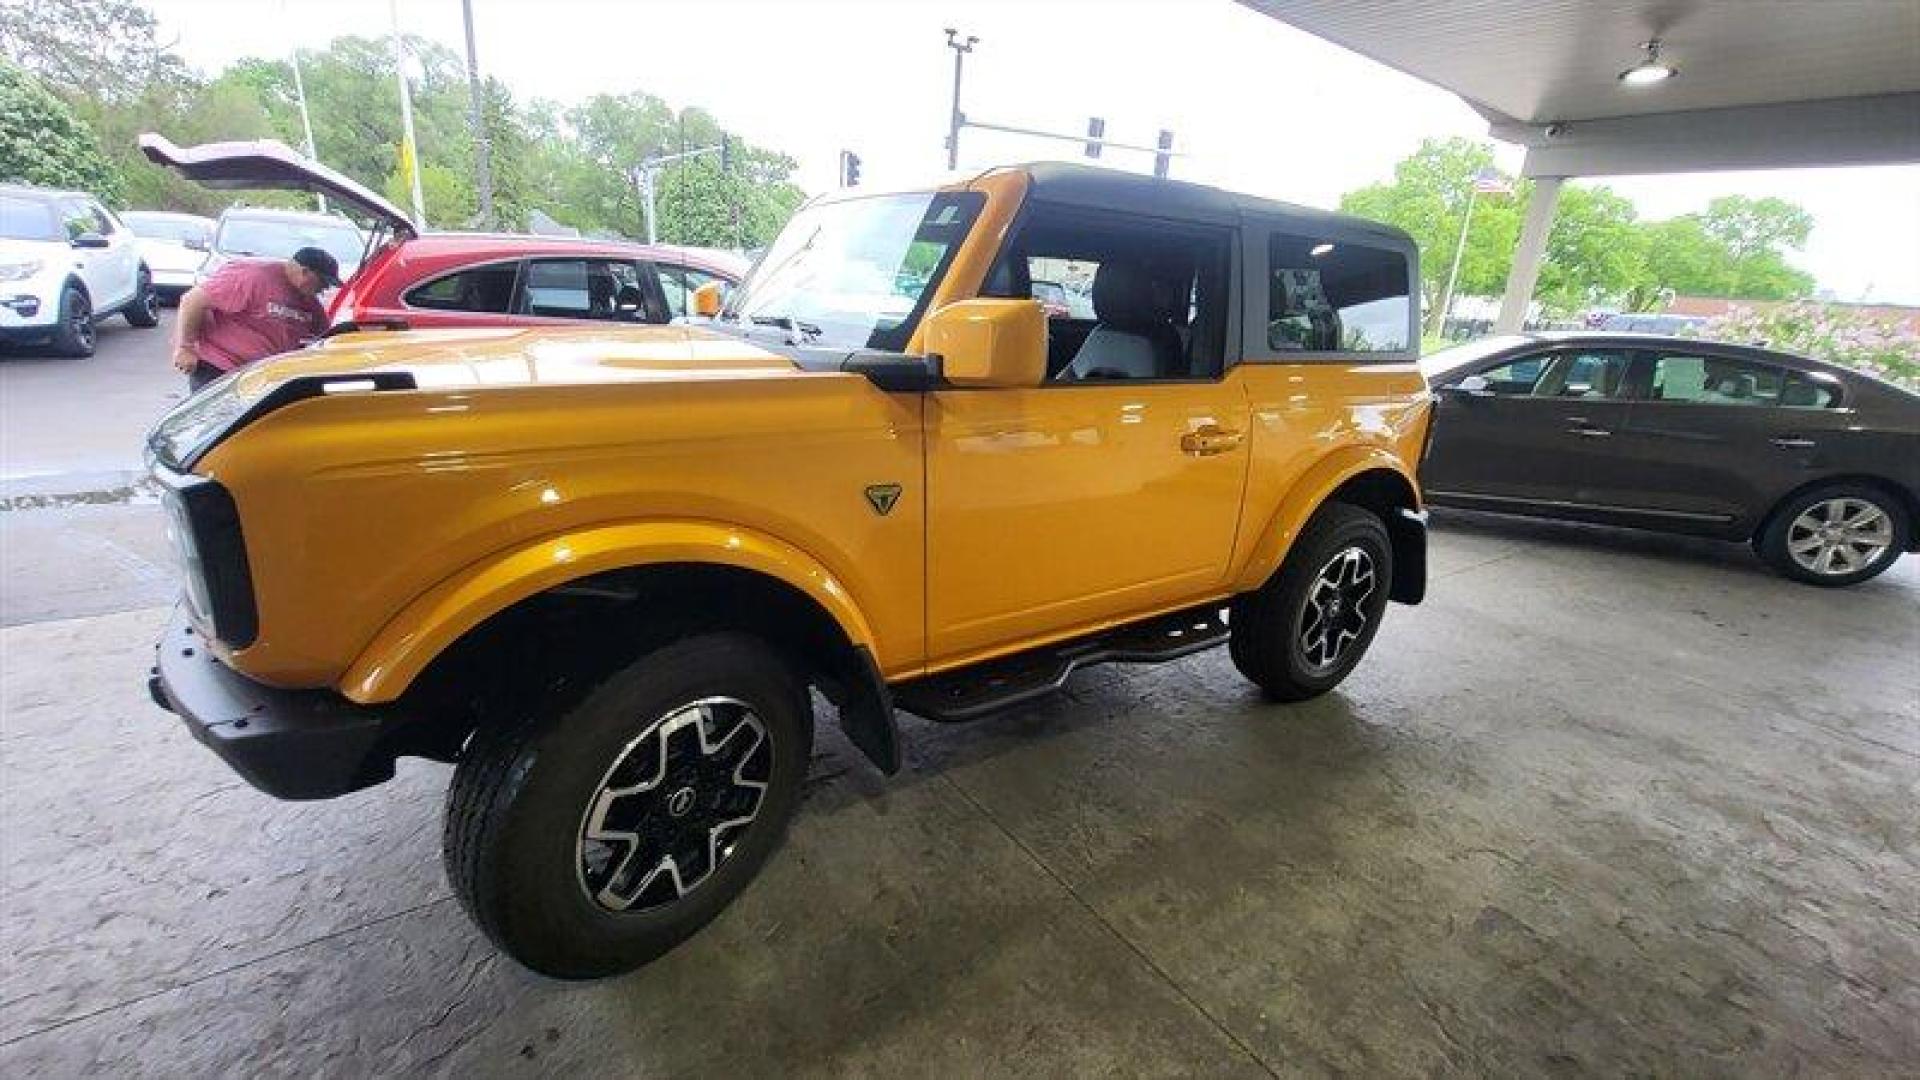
[1474, 386]
[990, 342]
[198, 243]
[706, 300]
[89, 240]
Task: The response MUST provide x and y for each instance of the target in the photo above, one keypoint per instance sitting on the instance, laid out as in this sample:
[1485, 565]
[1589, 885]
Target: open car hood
[270, 164]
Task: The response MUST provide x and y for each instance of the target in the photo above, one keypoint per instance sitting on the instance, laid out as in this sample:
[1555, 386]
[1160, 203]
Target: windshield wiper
[790, 324]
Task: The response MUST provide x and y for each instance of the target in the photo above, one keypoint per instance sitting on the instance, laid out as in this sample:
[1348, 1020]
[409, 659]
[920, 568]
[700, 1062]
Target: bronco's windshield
[856, 273]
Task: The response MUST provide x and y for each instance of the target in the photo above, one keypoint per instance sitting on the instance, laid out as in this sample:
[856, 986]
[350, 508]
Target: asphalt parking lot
[1606, 804]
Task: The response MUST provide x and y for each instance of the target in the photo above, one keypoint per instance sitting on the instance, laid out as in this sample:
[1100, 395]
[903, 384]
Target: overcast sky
[1258, 106]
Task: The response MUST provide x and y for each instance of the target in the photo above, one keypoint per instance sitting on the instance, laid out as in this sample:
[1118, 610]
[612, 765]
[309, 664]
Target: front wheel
[1837, 535]
[144, 311]
[1298, 636]
[591, 841]
[74, 334]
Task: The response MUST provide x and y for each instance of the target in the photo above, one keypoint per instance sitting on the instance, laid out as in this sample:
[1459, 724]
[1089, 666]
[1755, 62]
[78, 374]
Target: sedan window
[601, 289]
[1586, 374]
[1590, 374]
[1715, 380]
[484, 289]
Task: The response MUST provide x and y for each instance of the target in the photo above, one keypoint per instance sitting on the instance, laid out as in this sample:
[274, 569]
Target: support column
[1528, 254]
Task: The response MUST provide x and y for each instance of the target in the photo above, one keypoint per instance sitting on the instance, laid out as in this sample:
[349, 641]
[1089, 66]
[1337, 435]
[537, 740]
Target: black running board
[972, 692]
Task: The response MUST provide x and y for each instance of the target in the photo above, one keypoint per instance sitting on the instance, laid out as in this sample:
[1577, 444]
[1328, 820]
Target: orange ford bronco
[600, 570]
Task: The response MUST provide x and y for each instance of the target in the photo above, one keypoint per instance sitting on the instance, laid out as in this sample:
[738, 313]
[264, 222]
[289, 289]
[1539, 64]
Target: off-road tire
[1773, 541]
[1267, 624]
[74, 334]
[520, 794]
[143, 311]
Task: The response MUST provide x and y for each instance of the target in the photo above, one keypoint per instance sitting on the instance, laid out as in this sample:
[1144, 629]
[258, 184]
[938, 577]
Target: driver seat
[1134, 338]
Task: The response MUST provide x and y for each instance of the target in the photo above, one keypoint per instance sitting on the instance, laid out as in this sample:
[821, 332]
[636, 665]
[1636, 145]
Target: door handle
[1202, 442]
[1793, 442]
[1581, 426]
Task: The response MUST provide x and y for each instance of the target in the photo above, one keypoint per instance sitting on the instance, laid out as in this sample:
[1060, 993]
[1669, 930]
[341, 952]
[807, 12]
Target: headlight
[195, 423]
[180, 532]
[204, 524]
[20, 270]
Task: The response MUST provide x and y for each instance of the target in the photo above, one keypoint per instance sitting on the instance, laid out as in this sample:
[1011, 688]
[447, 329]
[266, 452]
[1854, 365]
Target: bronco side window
[1125, 299]
[1334, 295]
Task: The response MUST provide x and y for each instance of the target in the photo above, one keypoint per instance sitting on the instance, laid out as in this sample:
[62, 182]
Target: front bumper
[291, 744]
[26, 314]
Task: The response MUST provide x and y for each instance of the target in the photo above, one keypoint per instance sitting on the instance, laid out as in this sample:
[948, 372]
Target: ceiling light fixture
[1651, 70]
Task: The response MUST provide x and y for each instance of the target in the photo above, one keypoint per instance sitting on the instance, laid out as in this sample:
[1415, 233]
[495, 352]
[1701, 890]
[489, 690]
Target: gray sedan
[1816, 465]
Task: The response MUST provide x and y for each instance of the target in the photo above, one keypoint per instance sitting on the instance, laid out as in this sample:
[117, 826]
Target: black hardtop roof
[1112, 189]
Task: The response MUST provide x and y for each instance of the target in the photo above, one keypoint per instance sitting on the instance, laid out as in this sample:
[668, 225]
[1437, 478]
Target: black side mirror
[89, 240]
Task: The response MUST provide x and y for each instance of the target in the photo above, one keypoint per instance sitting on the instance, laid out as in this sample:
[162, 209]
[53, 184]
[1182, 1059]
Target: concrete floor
[1608, 804]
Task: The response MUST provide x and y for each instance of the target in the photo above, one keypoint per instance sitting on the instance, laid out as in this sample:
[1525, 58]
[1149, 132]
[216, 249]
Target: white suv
[65, 264]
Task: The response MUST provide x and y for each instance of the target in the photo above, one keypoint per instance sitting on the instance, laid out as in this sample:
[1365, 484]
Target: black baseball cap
[322, 263]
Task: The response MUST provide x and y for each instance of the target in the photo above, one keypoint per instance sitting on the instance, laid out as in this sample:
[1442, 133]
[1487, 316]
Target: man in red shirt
[249, 310]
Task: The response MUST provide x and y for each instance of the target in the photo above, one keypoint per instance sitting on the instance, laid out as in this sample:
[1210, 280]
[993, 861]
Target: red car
[432, 280]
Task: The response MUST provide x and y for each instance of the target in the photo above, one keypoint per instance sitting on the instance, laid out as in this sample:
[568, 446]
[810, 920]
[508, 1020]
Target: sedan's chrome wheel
[1335, 614]
[674, 804]
[1839, 536]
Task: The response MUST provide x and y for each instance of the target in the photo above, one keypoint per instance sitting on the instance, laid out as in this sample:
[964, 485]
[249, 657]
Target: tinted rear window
[1330, 295]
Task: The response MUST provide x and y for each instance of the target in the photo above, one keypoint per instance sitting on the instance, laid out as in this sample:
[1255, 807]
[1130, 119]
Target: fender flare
[443, 614]
[1320, 480]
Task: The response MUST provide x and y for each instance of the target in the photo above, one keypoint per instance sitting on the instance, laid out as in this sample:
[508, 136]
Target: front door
[1542, 431]
[1053, 509]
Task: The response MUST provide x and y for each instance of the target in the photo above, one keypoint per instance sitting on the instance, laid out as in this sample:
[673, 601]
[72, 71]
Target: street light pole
[306, 121]
[482, 144]
[644, 173]
[955, 118]
[409, 149]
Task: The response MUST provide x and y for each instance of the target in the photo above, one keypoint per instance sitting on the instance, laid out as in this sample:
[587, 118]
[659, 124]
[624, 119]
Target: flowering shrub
[1827, 332]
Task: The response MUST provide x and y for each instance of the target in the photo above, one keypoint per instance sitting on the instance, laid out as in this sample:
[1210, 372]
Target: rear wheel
[1302, 632]
[591, 841]
[144, 311]
[1837, 535]
[74, 335]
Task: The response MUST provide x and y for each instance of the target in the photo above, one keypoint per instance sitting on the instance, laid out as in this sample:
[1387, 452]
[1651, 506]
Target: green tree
[103, 49]
[1595, 253]
[41, 142]
[1428, 199]
[1736, 248]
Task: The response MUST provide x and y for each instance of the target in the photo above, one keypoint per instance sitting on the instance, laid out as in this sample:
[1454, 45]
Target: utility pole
[409, 149]
[482, 144]
[955, 119]
[306, 121]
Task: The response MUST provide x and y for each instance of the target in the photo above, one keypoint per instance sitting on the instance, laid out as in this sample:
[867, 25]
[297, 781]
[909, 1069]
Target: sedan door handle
[1581, 426]
[1793, 442]
[1208, 440]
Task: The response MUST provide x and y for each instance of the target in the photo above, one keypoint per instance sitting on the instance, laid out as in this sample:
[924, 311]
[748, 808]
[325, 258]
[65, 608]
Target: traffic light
[1163, 159]
[726, 153]
[1096, 129]
[849, 169]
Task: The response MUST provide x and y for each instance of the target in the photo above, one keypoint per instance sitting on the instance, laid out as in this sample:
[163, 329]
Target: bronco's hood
[376, 361]
[456, 359]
